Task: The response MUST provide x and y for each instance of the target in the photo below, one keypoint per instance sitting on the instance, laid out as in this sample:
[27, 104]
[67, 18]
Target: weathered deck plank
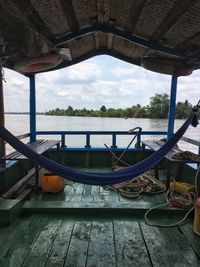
[101, 251]
[98, 198]
[87, 190]
[168, 247]
[60, 240]
[16, 240]
[194, 239]
[40, 249]
[129, 244]
[77, 252]
[87, 198]
[95, 190]
[61, 243]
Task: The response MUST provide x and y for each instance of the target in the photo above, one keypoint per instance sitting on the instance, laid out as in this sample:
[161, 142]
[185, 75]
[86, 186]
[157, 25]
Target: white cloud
[123, 72]
[16, 91]
[93, 83]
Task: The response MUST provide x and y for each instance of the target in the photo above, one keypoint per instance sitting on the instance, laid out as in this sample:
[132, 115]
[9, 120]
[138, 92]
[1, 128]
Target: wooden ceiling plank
[103, 11]
[27, 8]
[179, 9]
[189, 40]
[70, 15]
[134, 14]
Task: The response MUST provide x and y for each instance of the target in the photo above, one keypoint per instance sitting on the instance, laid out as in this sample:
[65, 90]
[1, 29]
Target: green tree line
[158, 108]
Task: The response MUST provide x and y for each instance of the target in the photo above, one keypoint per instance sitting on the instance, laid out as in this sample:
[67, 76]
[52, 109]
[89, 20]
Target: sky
[101, 80]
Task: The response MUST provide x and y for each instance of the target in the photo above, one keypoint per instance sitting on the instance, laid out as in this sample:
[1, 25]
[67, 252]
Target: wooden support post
[2, 143]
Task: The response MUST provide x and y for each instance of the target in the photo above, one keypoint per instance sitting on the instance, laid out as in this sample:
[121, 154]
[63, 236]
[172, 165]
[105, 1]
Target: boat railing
[191, 141]
[89, 134]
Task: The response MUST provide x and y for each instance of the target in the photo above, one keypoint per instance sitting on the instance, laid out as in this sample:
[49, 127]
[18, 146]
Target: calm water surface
[19, 124]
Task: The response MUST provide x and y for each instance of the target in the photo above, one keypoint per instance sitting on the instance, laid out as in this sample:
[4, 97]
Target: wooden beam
[134, 14]
[97, 40]
[70, 15]
[34, 18]
[110, 39]
[178, 10]
[12, 191]
[103, 11]
[2, 143]
[186, 42]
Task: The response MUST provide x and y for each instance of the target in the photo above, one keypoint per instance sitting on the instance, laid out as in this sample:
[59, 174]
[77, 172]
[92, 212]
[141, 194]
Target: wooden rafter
[34, 18]
[184, 43]
[103, 11]
[134, 14]
[70, 15]
[180, 8]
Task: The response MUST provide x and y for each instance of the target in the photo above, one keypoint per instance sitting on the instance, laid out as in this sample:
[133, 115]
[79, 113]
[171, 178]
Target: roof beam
[135, 13]
[103, 11]
[179, 8]
[9, 65]
[127, 36]
[34, 18]
[94, 53]
[110, 39]
[184, 43]
[97, 40]
[70, 16]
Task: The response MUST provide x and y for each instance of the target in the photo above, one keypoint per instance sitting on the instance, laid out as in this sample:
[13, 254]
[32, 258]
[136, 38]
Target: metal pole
[32, 109]
[172, 107]
[2, 121]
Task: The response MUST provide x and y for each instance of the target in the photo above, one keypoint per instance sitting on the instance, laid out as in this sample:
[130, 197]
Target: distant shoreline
[23, 113]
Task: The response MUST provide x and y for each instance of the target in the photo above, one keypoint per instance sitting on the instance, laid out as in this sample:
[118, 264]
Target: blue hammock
[93, 178]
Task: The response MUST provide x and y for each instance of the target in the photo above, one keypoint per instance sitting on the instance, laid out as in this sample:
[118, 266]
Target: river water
[19, 124]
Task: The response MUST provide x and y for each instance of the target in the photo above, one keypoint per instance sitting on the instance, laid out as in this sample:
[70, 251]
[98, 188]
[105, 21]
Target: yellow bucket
[197, 216]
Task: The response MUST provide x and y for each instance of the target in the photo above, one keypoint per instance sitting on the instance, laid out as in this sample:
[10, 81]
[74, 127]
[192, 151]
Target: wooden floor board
[95, 190]
[111, 198]
[78, 188]
[61, 243]
[168, 247]
[98, 198]
[77, 252]
[106, 230]
[60, 240]
[87, 198]
[129, 244]
[14, 251]
[41, 248]
[87, 190]
[193, 238]
[101, 251]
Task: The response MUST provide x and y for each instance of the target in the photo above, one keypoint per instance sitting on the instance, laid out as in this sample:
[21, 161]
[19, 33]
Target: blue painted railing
[88, 135]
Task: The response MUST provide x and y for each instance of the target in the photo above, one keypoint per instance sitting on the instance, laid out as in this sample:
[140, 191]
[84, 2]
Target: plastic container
[52, 183]
[197, 217]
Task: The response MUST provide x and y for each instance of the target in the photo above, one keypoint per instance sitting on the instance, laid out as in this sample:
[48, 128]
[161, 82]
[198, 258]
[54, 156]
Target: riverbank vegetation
[158, 108]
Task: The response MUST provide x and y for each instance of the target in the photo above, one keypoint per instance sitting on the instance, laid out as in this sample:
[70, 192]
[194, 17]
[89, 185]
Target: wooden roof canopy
[41, 35]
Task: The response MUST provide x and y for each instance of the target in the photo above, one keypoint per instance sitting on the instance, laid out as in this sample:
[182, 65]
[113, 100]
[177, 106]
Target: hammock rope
[94, 178]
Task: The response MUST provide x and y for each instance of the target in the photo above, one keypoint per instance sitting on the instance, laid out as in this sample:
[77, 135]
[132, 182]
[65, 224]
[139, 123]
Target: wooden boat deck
[48, 236]
[61, 240]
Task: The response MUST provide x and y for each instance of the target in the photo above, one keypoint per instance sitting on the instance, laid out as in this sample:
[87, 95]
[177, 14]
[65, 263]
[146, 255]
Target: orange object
[42, 63]
[197, 216]
[52, 183]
